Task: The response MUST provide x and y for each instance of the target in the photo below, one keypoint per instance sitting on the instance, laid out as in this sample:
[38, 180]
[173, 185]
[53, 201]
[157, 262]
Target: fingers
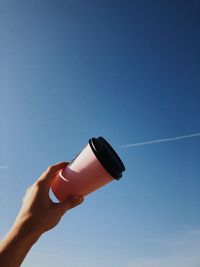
[69, 203]
[51, 171]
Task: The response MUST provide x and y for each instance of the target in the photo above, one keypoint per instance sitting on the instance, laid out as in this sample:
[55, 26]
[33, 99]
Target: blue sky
[125, 70]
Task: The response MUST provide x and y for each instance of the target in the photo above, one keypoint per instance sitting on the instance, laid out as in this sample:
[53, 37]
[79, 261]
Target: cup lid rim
[107, 156]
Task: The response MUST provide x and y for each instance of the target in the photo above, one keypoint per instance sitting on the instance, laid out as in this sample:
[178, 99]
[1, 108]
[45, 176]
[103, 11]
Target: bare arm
[37, 215]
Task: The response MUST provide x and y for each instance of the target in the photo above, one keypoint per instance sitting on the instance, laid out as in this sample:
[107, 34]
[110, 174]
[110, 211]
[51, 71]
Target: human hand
[39, 213]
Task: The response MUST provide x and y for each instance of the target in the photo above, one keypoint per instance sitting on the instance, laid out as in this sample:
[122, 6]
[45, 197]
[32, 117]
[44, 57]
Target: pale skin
[37, 215]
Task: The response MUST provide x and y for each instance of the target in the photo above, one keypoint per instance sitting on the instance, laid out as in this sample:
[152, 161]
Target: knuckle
[38, 183]
[60, 210]
[28, 189]
[50, 168]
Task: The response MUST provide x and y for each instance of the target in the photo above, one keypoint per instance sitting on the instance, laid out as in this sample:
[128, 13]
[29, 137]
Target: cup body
[82, 176]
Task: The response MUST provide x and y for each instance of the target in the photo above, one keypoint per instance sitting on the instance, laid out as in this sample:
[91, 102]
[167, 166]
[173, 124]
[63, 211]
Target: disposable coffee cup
[95, 166]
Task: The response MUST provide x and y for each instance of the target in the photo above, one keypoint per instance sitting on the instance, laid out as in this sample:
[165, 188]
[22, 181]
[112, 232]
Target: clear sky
[130, 72]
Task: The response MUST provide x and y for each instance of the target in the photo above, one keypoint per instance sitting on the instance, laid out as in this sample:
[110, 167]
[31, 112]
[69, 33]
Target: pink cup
[96, 165]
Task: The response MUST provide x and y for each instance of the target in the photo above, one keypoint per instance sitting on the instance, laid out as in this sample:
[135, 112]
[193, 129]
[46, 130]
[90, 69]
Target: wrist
[24, 231]
[15, 246]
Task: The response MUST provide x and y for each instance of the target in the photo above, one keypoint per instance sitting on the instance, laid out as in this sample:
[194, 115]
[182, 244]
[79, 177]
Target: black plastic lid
[107, 157]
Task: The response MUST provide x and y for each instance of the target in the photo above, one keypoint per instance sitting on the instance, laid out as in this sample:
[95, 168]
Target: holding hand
[37, 215]
[38, 212]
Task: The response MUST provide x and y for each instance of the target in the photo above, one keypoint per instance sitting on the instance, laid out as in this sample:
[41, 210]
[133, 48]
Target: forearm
[15, 246]
[37, 215]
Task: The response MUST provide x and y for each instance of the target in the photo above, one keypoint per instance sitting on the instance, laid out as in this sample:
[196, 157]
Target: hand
[39, 213]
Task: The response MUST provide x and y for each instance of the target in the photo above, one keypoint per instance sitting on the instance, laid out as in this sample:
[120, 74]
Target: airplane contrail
[3, 167]
[161, 140]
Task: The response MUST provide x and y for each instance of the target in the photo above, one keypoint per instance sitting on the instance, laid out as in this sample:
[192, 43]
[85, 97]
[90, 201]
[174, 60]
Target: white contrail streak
[161, 140]
[3, 167]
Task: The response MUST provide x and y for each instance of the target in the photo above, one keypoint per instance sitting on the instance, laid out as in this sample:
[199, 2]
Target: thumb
[70, 203]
